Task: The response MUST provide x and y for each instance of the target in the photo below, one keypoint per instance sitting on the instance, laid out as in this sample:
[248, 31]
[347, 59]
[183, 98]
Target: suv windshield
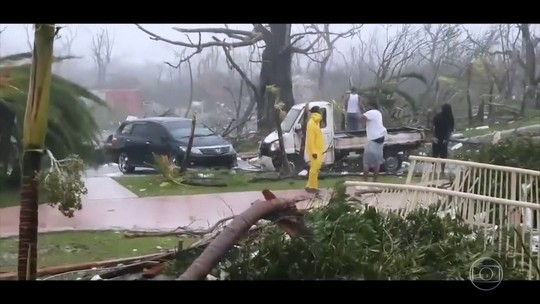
[181, 129]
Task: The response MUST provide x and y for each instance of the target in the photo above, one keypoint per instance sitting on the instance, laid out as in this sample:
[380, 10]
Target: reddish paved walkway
[110, 206]
[151, 213]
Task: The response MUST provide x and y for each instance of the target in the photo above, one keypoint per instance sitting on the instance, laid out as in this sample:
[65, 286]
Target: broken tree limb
[290, 220]
[182, 230]
[233, 233]
[154, 270]
[84, 266]
[132, 268]
[532, 131]
[185, 162]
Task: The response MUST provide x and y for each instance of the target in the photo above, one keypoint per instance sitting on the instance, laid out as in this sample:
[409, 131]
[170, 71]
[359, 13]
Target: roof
[161, 119]
[318, 103]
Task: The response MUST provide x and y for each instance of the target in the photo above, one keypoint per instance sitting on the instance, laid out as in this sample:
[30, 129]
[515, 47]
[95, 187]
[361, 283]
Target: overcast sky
[132, 45]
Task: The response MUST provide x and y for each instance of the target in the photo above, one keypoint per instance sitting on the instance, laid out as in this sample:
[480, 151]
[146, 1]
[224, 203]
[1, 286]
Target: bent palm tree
[34, 132]
[71, 126]
[65, 126]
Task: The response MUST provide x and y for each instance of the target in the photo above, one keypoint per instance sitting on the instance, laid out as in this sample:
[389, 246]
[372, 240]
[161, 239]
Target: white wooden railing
[503, 202]
[498, 218]
[479, 178]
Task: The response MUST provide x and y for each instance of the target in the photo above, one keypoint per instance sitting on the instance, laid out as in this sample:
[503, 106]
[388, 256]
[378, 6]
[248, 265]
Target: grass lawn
[531, 120]
[9, 197]
[145, 186]
[12, 197]
[64, 248]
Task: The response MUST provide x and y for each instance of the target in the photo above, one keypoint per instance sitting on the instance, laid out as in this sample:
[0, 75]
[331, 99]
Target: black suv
[136, 141]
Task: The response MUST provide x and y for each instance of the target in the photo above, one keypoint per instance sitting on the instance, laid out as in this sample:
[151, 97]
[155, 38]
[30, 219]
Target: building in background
[124, 101]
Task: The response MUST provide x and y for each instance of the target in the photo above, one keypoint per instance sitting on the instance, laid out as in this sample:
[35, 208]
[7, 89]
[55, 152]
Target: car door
[297, 133]
[139, 151]
[157, 142]
[123, 141]
[327, 126]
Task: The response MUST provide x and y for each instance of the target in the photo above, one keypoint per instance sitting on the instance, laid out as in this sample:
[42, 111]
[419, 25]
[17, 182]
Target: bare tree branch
[246, 41]
[28, 31]
[328, 40]
[249, 83]
[67, 41]
[102, 46]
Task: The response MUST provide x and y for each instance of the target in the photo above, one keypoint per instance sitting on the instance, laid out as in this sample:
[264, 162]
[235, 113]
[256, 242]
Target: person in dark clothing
[443, 124]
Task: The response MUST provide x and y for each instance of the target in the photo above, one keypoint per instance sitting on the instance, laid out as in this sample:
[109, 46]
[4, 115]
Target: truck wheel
[392, 163]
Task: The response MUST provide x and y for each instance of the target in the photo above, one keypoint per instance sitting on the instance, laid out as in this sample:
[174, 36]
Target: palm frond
[25, 60]
[16, 60]
[71, 126]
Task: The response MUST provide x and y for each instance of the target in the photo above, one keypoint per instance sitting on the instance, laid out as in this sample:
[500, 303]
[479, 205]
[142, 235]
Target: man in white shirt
[353, 110]
[373, 156]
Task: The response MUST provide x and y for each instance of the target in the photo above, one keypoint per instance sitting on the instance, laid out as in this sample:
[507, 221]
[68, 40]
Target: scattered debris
[303, 173]
[456, 146]
[535, 244]
[94, 266]
[496, 138]
[202, 175]
[114, 174]
[182, 230]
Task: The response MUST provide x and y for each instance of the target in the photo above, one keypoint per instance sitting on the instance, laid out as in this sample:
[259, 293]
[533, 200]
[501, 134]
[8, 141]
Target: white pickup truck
[344, 148]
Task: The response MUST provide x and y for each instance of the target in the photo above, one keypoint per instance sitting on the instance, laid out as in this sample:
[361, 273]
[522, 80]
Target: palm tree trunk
[35, 129]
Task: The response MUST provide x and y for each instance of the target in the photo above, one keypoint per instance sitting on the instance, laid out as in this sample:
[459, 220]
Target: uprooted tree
[279, 44]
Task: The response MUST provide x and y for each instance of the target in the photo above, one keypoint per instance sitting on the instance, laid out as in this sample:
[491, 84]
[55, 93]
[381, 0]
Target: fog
[137, 62]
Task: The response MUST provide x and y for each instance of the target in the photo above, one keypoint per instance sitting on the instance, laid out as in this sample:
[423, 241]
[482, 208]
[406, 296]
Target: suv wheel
[124, 164]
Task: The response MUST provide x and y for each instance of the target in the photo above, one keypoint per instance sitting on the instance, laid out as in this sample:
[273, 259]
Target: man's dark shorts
[353, 122]
[439, 149]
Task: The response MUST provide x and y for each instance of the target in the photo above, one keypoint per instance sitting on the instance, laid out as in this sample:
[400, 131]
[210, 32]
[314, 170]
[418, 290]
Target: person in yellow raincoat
[315, 147]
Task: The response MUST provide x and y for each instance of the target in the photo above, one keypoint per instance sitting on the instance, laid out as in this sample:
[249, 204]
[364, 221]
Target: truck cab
[341, 146]
[291, 127]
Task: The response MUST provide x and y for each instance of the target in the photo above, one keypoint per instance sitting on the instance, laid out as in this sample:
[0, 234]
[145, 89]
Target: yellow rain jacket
[314, 136]
[314, 145]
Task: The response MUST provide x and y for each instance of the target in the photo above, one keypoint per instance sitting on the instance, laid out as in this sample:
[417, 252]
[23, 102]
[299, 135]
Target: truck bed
[353, 140]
